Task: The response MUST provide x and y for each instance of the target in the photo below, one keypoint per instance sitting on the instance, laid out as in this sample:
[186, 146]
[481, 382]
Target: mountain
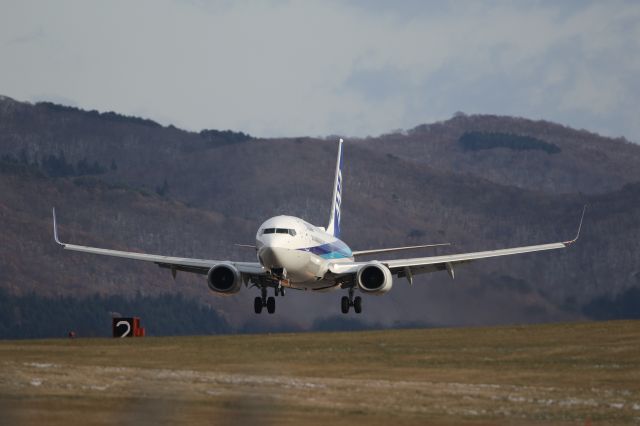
[535, 155]
[479, 182]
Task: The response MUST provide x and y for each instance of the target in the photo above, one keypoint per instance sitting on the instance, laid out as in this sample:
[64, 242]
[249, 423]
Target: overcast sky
[287, 68]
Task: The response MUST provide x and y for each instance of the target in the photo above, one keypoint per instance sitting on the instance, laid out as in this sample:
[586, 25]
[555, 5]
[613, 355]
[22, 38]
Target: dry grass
[563, 374]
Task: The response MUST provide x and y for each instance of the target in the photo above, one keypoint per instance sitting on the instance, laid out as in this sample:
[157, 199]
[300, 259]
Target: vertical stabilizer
[334, 220]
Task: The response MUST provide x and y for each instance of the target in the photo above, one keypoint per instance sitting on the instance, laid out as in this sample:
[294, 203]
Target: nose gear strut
[279, 290]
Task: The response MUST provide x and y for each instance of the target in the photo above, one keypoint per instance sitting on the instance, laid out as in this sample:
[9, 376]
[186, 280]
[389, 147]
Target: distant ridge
[128, 182]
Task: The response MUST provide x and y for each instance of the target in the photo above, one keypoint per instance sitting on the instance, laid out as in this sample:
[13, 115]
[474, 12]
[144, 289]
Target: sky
[320, 68]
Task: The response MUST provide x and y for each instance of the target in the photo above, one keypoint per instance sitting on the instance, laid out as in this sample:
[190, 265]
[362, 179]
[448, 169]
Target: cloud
[315, 68]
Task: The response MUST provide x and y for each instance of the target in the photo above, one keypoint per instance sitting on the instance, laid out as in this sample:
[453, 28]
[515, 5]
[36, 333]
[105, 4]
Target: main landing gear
[267, 302]
[347, 302]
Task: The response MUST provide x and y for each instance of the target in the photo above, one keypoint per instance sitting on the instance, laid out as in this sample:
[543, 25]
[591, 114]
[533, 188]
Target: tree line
[34, 316]
[57, 165]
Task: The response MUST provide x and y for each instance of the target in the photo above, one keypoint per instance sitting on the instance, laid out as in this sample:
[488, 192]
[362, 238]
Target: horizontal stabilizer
[250, 246]
[386, 250]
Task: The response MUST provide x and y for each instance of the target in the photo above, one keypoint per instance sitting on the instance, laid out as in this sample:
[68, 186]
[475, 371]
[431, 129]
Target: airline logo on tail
[336, 217]
[334, 220]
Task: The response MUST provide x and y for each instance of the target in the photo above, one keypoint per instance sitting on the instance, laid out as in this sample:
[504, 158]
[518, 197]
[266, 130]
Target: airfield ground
[582, 373]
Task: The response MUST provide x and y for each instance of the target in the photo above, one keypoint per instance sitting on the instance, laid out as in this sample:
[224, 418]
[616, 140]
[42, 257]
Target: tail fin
[334, 220]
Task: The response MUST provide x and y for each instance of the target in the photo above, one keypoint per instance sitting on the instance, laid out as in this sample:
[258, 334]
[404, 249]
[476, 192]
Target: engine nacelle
[224, 279]
[374, 278]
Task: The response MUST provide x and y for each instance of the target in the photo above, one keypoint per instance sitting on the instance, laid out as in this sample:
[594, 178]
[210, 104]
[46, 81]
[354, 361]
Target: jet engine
[374, 278]
[224, 279]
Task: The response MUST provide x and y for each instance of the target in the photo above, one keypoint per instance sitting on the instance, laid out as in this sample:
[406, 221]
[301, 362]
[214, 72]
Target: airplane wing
[198, 266]
[409, 267]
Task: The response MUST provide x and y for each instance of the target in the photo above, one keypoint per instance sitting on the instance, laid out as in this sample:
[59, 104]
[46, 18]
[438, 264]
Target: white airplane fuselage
[300, 251]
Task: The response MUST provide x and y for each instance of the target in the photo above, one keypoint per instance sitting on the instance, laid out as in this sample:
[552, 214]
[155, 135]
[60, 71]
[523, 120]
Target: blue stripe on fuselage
[335, 250]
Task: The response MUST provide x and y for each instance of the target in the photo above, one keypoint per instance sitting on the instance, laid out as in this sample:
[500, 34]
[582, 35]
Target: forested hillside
[536, 155]
[479, 182]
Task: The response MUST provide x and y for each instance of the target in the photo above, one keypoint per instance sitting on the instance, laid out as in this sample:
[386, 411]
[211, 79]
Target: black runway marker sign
[127, 327]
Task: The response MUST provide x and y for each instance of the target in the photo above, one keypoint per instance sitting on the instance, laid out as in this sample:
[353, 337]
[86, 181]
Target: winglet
[584, 209]
[55, 228]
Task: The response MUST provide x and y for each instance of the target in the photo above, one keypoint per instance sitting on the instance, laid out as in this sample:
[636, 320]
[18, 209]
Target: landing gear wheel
[271, 305]
[344, 304]
[357, 304]
[257, 305]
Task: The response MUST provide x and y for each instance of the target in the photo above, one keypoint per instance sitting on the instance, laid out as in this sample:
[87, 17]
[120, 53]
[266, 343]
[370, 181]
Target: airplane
[294, 254]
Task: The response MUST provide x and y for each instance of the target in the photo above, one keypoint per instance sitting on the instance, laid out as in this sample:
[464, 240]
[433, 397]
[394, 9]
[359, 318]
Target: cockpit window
[291, 232]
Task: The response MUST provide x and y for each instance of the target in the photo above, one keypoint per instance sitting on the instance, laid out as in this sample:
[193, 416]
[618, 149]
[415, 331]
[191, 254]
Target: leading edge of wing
[465, 257]
[351, 267]
[244, 267]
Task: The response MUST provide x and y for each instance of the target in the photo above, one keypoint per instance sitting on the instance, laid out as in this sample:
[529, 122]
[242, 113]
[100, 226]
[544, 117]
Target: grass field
[582, 373]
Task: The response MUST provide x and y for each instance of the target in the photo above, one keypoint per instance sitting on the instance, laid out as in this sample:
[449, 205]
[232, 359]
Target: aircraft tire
[357, 304]
[344, 304]
[271, 305]
[257, 305]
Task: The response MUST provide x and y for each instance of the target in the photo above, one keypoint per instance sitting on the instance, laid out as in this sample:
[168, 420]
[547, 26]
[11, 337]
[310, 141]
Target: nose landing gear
[348, 302]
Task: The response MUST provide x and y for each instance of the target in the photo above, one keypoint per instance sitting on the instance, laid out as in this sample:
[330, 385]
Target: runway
[558, 374]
